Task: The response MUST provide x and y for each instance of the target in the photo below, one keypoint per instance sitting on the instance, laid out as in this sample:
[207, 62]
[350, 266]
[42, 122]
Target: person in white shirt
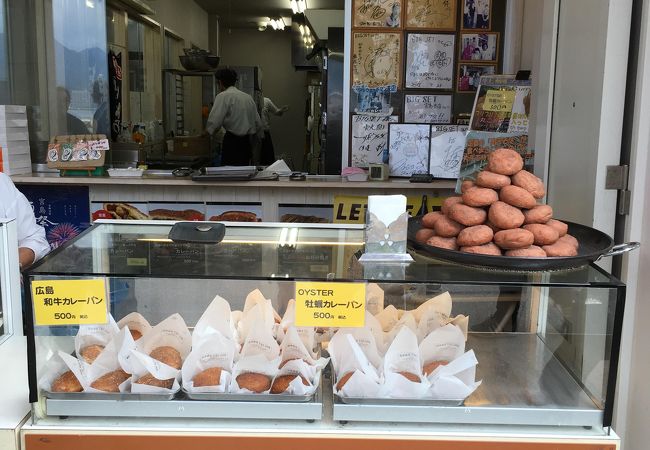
[267, 156]
[235, 111]
[32, 244]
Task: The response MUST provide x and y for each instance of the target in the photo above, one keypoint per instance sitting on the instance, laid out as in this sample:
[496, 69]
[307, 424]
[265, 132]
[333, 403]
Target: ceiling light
[90, 3]
[294, 6]
[302, 30]
[302, 6]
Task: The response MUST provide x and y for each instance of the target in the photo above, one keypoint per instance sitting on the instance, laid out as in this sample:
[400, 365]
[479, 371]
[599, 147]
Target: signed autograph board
[376, 59]
[430, 61]
[377, 14]
[434, 15]
[369, 138]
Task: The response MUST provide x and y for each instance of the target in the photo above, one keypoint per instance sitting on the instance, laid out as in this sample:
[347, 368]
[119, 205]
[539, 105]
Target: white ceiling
[249, 13]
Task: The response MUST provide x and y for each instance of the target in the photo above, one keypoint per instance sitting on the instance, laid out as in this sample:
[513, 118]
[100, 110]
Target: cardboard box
[14, 134]
[15, 147]
[13, 122]
[15, 109]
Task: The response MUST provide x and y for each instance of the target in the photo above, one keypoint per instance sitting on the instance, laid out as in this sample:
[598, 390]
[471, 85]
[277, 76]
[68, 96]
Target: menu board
[376, 59]
[408, 149]
[369, 139]
[430, 61]
[377, 13]
[427, 108]
[439, 15]
[447, 147]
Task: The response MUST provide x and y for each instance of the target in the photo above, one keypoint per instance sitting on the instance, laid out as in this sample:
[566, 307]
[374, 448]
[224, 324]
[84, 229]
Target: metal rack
[174, 98]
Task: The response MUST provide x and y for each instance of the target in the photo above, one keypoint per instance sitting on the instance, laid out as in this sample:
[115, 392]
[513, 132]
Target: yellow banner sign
[328, 304]
[499, 101]
[70, 302]
[352, 208]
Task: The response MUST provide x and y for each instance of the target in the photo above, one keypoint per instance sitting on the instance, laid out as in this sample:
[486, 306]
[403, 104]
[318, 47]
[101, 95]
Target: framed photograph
[376, 59]
[469, 76]
[426, 108]
[377, 13]
[430, 61]
[477, 15]
[479, 47]
[431, 15]
[408, 149]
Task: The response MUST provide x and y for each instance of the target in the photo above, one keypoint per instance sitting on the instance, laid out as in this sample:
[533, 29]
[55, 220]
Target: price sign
[499, 101]
[70, 302]
[330, 304]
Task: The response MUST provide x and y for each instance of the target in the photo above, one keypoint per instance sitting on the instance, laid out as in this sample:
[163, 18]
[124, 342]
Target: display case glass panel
[546, 342]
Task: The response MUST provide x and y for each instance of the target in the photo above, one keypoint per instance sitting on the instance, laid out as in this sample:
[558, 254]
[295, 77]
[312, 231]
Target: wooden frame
[477, 4]
[369, 64]
[418, 8]
[478, 35]
[448, 59]
[391, 128]
[471, 91]
[375, 14]
[422, 94]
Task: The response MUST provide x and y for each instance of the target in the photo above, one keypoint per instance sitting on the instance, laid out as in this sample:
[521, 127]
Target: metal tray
[398, 401]
[232, 397]
[122, 396]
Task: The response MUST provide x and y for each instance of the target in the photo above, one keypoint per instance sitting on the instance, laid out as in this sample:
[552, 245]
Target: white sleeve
[271, 107]
[217, 115]
[30, 234]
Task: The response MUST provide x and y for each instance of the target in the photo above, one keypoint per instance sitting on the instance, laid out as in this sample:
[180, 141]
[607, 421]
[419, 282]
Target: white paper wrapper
[214, 351]
[441, 305]
[347, 356]
[292, 347]
[388, 318]
[95, 335]
[143, 364]
[171, 332]
[136, 322]
[373, 324]
[298, 368]
[257, 364]
[461, 322]
[256, 297]
[78, 366]
[109, 361]
[398, 386]
[260, 341]
[339, 348]
[403, 354]
[444, 344]
[260, 314]
[307, 334]
[456, 380]
[433, 314]
[215, 319]
[359, 385]
[53, 369]
[374, 298]
[407, 320]
[126, 345]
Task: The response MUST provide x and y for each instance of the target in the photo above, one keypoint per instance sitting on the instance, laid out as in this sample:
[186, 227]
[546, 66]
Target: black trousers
[267, 156]
[236, 150]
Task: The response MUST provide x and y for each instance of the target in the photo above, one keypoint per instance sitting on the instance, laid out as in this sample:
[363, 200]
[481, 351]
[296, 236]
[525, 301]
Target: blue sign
[64, 211]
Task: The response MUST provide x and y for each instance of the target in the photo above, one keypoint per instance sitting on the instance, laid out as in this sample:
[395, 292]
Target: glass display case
[546, 343]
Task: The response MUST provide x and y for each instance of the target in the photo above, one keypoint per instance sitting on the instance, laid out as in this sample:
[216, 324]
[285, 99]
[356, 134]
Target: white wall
[189, 21]
[185, 17]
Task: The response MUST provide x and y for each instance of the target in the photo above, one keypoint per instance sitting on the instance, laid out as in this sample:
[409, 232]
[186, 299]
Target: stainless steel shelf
[184, 409]
[523, 384]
